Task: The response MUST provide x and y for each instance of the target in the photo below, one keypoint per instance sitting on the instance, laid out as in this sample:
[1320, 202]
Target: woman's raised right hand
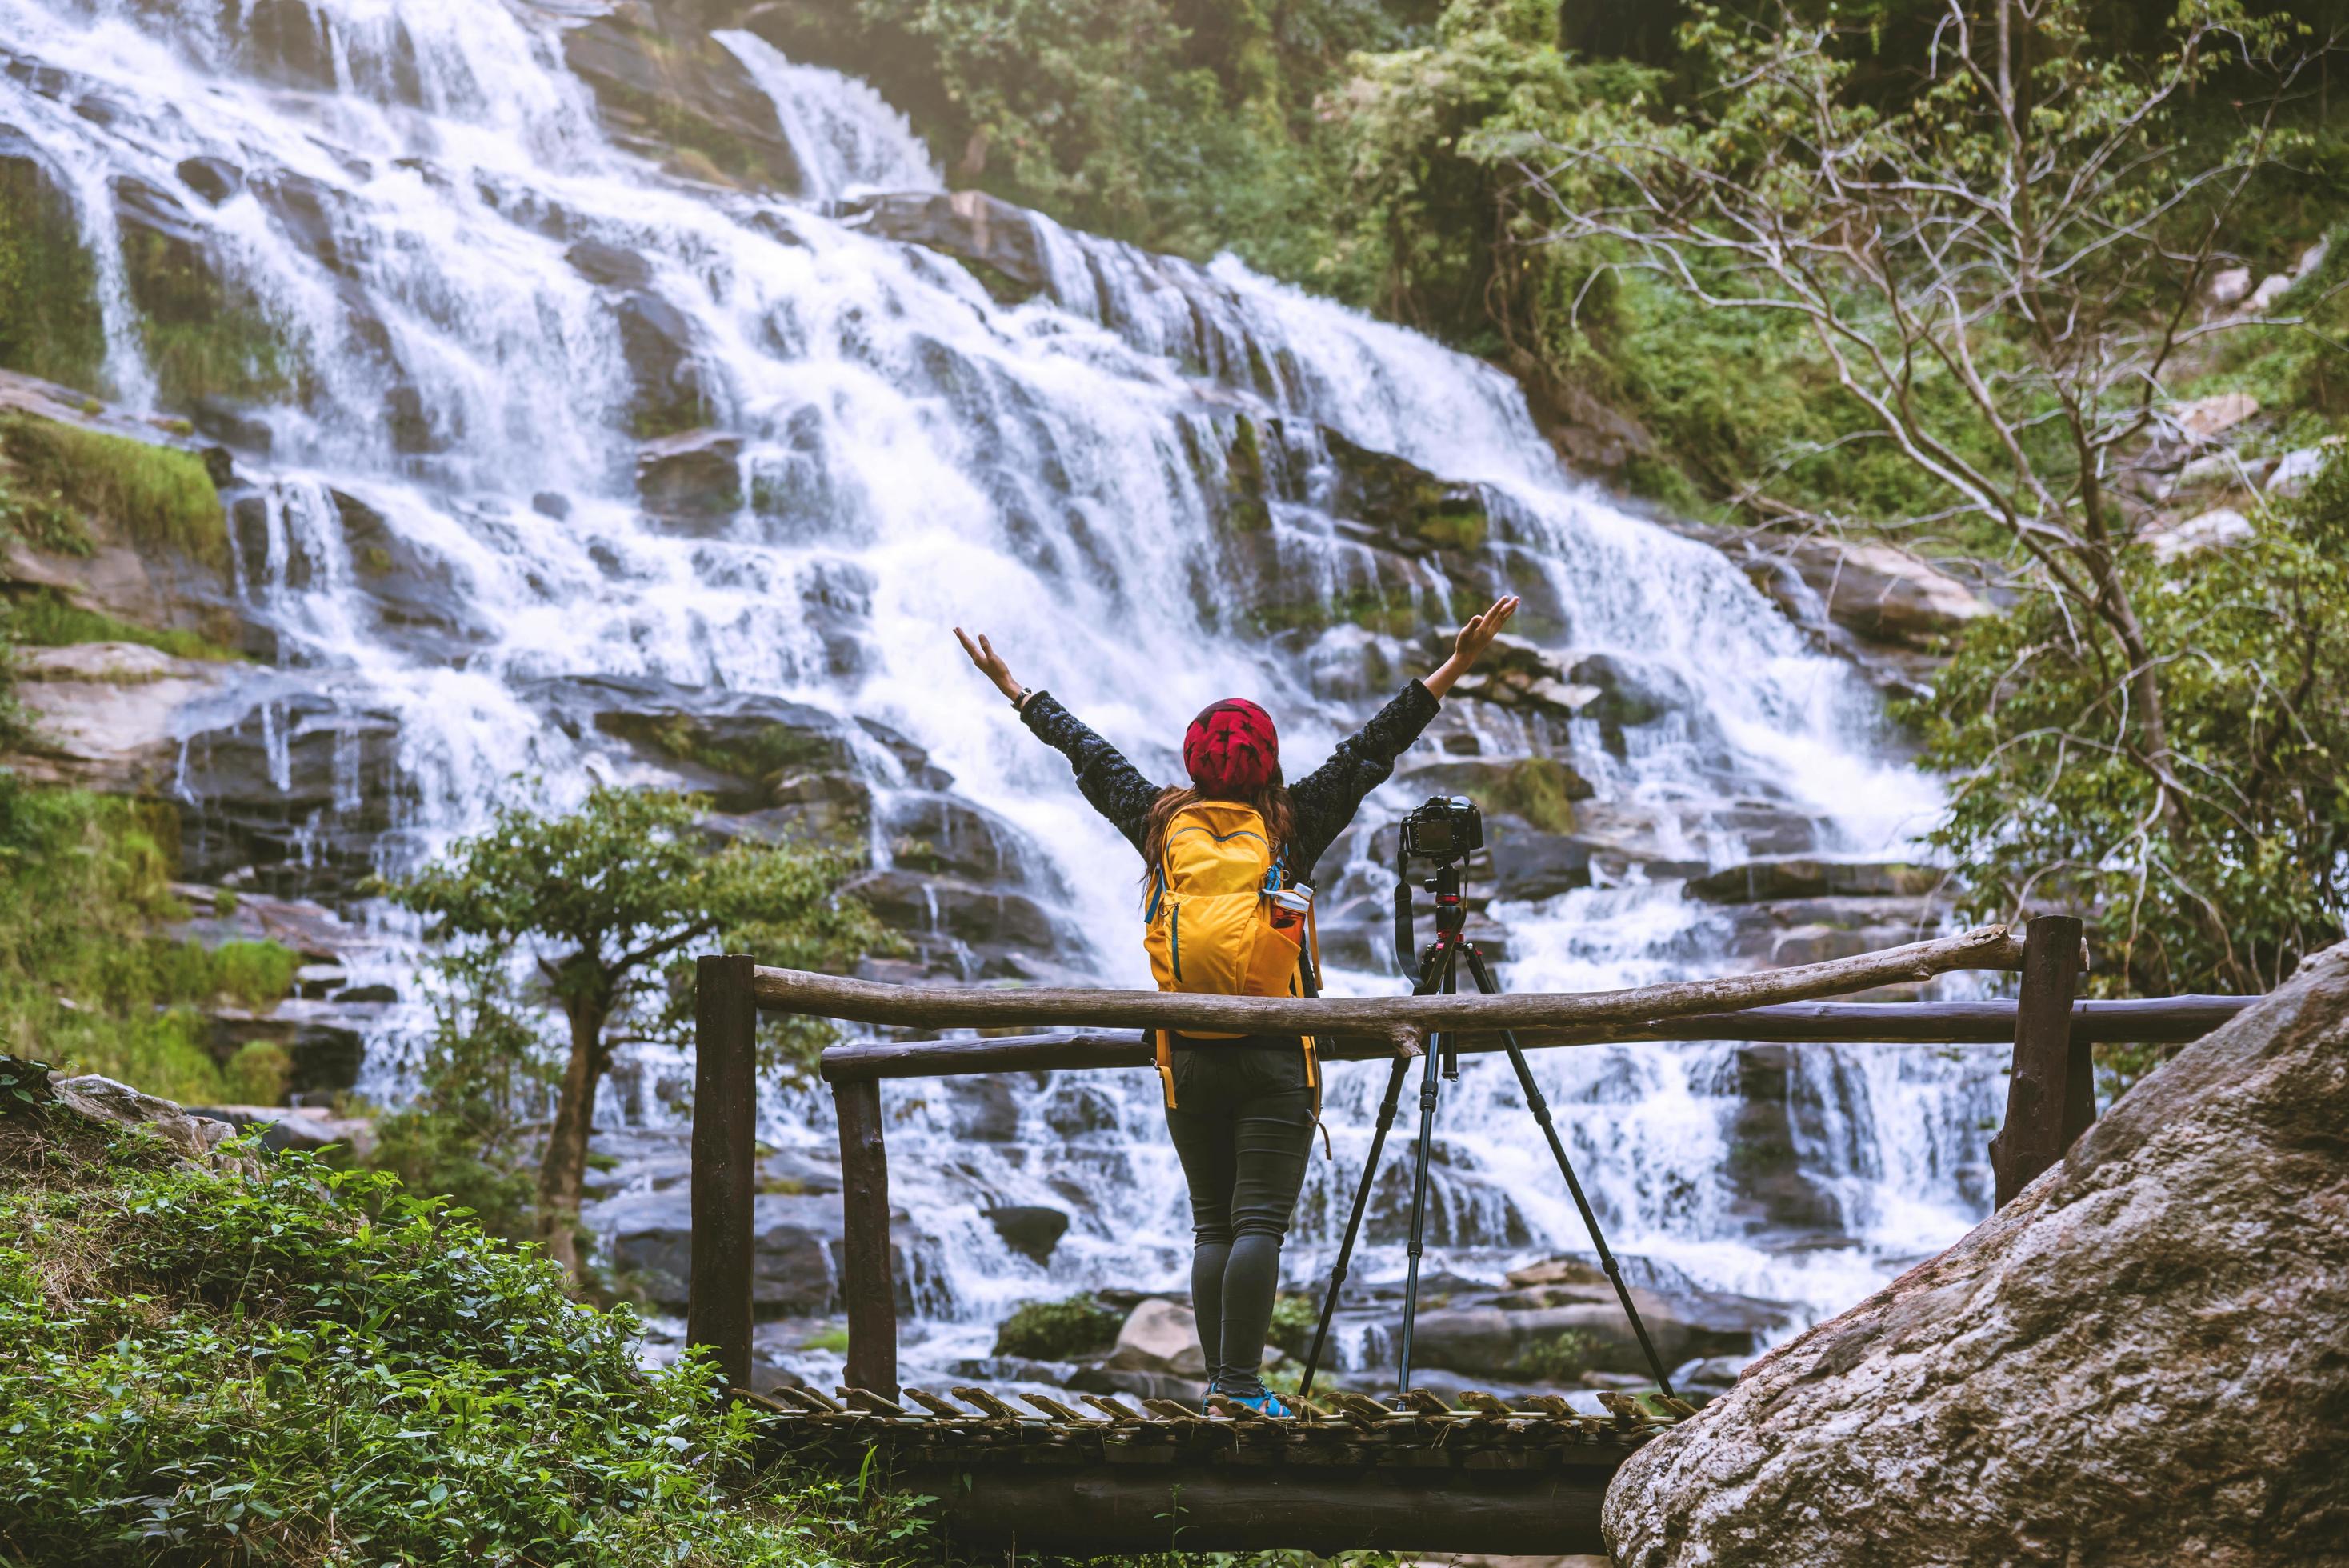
[990, 664]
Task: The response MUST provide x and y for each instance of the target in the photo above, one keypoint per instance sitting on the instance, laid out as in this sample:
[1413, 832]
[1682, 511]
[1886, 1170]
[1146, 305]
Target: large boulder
[2138, 1360]
[292, 782]
[102, 1099]
[1562, 1330]
[1160, 1336]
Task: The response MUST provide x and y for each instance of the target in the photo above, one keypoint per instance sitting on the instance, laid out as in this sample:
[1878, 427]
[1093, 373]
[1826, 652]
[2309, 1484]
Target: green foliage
[161, 496]
[44, 618]
[305, 1365]
[483, 1085]
[83, 980]
[253, 973]
[1189, 126]
[606, 902]
[2249, 869]
[1059, 1330]
[608, 896]
[1563, 1357]
[49, 323]
[1294, 1318]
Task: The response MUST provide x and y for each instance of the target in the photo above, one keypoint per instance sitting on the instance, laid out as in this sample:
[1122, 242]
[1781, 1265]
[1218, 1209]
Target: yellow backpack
[1209, 925]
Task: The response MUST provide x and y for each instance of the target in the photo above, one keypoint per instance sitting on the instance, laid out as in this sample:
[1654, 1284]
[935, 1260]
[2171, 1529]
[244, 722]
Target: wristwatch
[1019, 703]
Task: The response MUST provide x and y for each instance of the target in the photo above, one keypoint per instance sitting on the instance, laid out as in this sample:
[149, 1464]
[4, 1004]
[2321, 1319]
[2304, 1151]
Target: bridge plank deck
[1490, 1477]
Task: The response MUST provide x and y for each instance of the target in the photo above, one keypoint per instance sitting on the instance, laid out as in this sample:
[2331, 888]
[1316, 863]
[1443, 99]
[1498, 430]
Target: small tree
[2000, 270]
[608, 900]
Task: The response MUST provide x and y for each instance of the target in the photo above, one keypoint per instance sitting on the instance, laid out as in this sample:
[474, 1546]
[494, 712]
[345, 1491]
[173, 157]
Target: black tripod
[1439, 972]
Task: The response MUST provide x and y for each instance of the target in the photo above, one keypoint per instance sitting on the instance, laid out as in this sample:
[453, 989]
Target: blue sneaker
[1265, 1404]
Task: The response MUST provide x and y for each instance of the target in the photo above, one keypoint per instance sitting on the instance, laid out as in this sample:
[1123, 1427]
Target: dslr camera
[1446, 829]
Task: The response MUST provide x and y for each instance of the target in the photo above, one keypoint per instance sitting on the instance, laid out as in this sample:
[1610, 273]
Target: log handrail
[1395, 1019]
[2161, 1020]
[2050, 1031]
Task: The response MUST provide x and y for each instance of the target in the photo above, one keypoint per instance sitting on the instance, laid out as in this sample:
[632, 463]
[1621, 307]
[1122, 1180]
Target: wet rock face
[680, 97]
[297, 787]
[999, 241]
[2136, 1361]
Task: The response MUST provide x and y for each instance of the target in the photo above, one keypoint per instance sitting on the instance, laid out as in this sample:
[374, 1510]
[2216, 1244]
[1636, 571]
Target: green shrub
[258, 1073]
[253, 971]
[1059, 1330]
[161, 496]
[1563, 1357]
[305, 1365]
[1294, 1318]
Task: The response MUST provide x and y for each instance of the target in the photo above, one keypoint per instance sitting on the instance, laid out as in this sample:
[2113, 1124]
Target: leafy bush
[612, 899]
[1059, 1330]
[305, 1365]
[258, 1073]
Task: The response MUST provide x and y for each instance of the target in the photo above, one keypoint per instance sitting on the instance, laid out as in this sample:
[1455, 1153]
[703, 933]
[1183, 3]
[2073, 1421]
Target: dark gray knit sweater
[1324, 801]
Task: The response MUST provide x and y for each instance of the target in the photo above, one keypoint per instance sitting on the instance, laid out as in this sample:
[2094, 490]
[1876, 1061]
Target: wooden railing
[2050, 1094]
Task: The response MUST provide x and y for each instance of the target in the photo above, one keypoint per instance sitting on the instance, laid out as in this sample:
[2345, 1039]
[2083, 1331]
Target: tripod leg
[1427, 1095]
[1354, 1222]
[1428, 973]
[1540, 1108]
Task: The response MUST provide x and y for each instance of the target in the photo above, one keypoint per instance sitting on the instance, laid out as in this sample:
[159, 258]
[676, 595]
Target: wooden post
[725, 1160]
[2042, 1118]
[868, 1285]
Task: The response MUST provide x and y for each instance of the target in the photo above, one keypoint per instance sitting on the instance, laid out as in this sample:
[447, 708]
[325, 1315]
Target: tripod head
[1446, 831]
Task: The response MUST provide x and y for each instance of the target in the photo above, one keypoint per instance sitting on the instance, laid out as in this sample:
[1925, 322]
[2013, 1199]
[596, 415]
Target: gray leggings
[1243, 1124]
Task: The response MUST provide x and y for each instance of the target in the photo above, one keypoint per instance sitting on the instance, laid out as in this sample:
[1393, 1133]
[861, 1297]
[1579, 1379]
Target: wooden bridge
[1350, 1473]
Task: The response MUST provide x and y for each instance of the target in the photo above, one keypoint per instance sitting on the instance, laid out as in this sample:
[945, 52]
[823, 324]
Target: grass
[84, 878]
[162, 497]
[291, 1365]
[44, 618]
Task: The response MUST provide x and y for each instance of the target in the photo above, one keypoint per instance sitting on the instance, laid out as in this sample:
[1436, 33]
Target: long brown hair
[1272, 803]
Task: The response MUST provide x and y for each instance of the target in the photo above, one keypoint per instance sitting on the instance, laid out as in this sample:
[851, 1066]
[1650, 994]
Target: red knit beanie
[1231, 748]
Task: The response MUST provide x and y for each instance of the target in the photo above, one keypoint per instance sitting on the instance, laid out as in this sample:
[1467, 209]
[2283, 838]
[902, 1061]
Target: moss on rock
[160, 496]
[49, 323]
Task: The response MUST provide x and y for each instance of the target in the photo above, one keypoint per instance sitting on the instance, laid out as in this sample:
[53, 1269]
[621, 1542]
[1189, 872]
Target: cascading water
[462, 528]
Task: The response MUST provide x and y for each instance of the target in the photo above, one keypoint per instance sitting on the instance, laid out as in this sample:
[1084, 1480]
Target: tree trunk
[565, 1167]
[2115, 610]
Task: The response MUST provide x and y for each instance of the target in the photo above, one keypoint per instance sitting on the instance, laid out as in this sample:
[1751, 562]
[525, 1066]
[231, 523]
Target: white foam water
[1046, 471]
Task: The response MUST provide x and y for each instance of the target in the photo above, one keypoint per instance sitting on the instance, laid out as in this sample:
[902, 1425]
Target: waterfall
[508, 332]
[847, 139]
